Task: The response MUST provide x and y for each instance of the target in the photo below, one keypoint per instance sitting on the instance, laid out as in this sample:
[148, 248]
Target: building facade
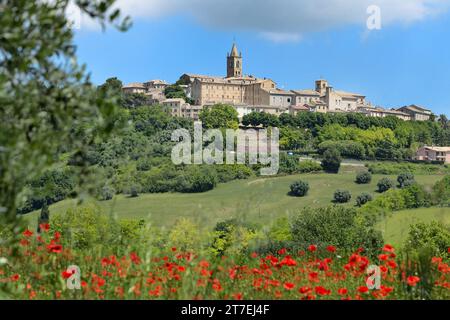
[434, 154]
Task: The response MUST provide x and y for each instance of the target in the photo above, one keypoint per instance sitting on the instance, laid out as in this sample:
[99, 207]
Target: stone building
[434, 154]
[417, 113]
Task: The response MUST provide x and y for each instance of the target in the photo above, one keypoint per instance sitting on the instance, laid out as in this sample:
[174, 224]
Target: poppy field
[37, 268]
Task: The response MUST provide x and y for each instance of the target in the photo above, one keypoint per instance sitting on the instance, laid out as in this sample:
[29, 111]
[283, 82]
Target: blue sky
[406, 62]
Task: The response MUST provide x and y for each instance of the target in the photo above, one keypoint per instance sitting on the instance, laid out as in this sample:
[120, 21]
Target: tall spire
[234, 51]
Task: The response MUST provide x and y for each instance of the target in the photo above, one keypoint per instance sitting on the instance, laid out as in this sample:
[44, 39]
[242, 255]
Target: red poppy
[363, 289]
[305, 290]
[343, 291]
[27, 233]
[282, 251]
[412, 281]
[321, 291]
[15, 277]
[135, 258]
[174, 249]
[44, 227]
[289, 286]
[448, 250]
[331, 249]
[312, 248]
[67, 274]
[388, 248]
[238, 296]
[55, 248]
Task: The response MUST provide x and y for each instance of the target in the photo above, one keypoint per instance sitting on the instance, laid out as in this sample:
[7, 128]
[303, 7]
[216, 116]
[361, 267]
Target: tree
[363, 198]
[299, 188]
[363, 178]
[342, 196]
[331, 161]
[385, 184]
[45, 96]
[405, 179]
[220, 116]
[443, 121]
[113, 86]
[338, 226]
[174, 92]
[44, 217]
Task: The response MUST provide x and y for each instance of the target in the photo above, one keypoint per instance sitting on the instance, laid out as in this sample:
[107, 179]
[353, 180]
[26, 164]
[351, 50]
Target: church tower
[234, 63]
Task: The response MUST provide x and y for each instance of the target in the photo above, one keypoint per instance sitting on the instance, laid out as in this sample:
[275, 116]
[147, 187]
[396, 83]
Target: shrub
[405, 179]
[134, 193]
[441, 192]
[331, 161]
[363, 198]
[107, 193]
[363, 177]
[385, 184]
[416, 196]
[299, 188]
[334, 225]
[434, 236]
[342, 196]
[308, 166]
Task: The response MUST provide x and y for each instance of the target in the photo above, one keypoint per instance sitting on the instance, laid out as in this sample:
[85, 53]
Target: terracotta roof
[134, 85]
[306, 92]
[438, 149]
[349, 94]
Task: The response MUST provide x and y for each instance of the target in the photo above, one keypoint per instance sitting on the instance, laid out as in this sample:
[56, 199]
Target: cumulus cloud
[284, 20]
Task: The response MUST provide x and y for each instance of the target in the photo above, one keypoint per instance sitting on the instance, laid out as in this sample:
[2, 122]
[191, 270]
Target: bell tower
[234, 63]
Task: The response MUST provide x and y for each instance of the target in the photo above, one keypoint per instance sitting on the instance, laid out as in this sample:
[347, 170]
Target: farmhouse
[434, 154]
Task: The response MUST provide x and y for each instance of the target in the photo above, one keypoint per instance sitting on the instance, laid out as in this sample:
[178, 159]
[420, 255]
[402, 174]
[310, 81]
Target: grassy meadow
[260, 200]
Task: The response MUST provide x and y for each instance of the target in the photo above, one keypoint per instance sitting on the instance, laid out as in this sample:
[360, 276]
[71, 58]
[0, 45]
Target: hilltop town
[247, 93]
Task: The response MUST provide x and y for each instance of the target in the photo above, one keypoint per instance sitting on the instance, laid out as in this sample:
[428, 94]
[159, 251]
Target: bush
[405, 179]
[134, 193]
[441, 192]
[416, 196]
[338, 226]
[363, 178]
[299, 188]
[331, 161]
[363, 198]
[342, 196]
[434, 236]
[107, 193]
[347, 148]
[385, 184]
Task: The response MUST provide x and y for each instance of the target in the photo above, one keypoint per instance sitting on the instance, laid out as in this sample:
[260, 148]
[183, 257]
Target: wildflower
[27, 233]
[305, 290]
[44, 227]
[135, 258]
[282, 251]
[289, 286]
[342, 291]
[388, 248]
[331, 249]
[55, 248]
[216, 285]
[312, 248]
[412, 281]
[363, 289]
[321, 291]
[15, 277]
[238, 296]
[67, 274]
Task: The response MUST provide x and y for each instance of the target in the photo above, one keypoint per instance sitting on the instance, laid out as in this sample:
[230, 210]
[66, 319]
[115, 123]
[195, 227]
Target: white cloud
[284, 20]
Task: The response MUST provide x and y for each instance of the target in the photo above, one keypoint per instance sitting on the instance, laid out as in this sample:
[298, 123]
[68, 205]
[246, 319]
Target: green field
[395, 228]
[258, 200]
